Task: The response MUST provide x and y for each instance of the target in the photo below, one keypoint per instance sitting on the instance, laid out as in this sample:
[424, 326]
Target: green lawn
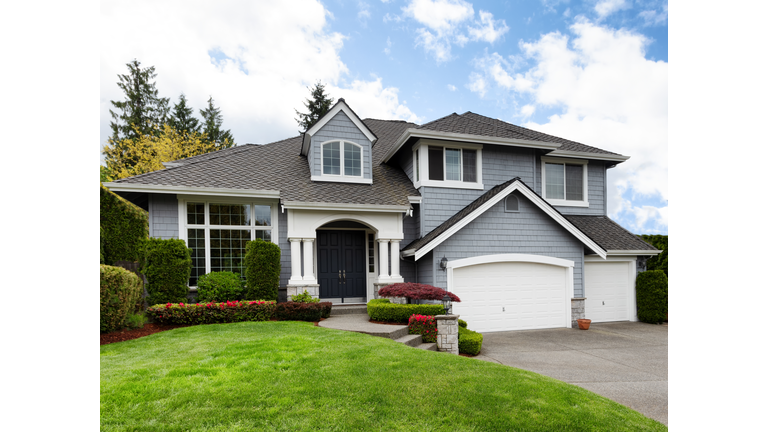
[293, 376]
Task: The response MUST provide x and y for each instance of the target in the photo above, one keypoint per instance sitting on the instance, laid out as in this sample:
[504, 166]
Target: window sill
[449, 184]
[565, 203]
[341, 179]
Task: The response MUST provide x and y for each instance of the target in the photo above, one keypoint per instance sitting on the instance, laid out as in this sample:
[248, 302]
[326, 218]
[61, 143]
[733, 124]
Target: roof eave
[190, 190]
[587, 155]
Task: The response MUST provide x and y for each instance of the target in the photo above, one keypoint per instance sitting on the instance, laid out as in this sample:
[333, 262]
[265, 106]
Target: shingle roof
[476, 124]
[608, 234]
[279, 166]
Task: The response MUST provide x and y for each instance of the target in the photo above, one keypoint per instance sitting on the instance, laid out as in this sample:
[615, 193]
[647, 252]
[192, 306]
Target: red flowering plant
[416, 291]
[425, 325]
[230, 311]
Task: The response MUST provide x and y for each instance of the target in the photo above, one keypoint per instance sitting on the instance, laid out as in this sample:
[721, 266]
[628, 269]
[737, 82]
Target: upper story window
[342, 157]
[448, 165]
[565, 181]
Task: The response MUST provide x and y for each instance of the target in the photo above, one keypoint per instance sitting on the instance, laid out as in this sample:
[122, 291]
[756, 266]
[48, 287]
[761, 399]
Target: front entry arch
[342, 265]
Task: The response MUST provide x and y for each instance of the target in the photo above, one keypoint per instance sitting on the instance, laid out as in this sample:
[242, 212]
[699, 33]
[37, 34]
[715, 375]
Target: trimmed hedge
[262, 269]
[120, 291]
[383, 310]
[469, 342]
[219, 287]
[652, 296]
[660, 261]
[167, 265]
[298, 311]
[123, 228]
[462, 323]
[211, 313]
[325, 308]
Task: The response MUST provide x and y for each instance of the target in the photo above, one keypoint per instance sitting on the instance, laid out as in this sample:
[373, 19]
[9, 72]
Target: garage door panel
[607, 289]
[511, 295]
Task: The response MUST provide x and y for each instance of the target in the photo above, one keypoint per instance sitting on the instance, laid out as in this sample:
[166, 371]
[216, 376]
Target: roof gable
[424, 245]
[342, 106]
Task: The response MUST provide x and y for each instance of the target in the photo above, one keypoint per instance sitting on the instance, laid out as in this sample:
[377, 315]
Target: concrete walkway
[625, 362]
[359, 322]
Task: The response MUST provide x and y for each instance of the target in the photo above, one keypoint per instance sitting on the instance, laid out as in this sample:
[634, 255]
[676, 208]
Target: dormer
[338, 147]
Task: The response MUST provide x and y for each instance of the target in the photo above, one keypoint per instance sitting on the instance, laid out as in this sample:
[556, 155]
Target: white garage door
[511, 296]
[607, 289]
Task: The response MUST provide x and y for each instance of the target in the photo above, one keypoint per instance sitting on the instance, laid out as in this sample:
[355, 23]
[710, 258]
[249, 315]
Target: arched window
[342, 158]
[511, 204]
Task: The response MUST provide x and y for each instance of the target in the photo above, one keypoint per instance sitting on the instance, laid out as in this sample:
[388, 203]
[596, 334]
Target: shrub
[210, 313]
[262, 269]
[296, 311]
[425, 325]
[383, 310]
[304, 297]
[660, 261]
[652, 296]
[135, 321]
[462, 323]
[326, 309]
[469, 342]
[123, 228]
[120, 290]
[219, 287]
[416, 291]
[167, 265]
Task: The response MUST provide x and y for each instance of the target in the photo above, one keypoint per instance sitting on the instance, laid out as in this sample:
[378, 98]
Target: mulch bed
[124, 335]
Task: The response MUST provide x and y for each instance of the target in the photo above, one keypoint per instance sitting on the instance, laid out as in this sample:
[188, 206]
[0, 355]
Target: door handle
[345, 276]
[339, 276]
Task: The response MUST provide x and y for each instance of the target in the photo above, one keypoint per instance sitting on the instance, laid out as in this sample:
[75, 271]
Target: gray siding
[339, 127]
[163, 216]
[529, 231]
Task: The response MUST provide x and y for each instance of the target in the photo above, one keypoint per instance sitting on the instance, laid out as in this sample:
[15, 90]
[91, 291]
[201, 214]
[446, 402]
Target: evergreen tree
[142, 111]
[182, 119]
[212, 120]
[317, 106]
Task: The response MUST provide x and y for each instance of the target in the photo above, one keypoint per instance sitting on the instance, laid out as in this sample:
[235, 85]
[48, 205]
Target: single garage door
[511, 296]
[607, 289]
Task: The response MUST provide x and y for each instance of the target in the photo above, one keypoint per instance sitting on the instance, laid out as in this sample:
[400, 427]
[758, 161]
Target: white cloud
[651, 17]
[608, 96]
[363, 12]
[256, 85]
[489, 30]
[607, 7]
[477, 84]
[440, 15]
[528, 110]
[388, 48]
[451, 87]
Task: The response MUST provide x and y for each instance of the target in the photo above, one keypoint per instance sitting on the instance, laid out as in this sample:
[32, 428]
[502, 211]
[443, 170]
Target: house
[511, 220]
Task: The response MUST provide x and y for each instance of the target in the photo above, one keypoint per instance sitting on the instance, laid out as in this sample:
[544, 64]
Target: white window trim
[207, 200]
[422, 147]
[564, 202]
[342, 178]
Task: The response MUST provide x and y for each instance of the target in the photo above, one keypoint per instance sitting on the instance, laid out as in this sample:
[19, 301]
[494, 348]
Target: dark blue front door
[341, 264]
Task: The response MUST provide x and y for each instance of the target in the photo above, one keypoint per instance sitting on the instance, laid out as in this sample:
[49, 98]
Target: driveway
[625, 361]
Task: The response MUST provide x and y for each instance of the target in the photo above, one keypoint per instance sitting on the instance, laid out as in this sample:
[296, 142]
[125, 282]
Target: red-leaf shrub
[416, 291]
[297, 311]
[209, 313]
[425, 325]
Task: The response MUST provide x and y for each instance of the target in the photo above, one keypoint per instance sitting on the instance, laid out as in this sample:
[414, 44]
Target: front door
[341, 265]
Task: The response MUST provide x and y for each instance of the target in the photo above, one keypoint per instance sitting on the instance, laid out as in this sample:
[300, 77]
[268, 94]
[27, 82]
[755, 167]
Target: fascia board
[189, 190]
[495, 200]
[632, 252]
[587, 155]
[414, 199]
[299, 205]
[480, 139]
[341, 106]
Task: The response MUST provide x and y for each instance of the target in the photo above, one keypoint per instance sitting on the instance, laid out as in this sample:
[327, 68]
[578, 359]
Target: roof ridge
[437, 120]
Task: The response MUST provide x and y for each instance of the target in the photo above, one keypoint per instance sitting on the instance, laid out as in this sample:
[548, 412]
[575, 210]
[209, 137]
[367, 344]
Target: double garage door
[501, 296]
[522, 295]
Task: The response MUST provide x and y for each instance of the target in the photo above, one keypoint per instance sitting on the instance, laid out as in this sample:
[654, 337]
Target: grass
[293, 376]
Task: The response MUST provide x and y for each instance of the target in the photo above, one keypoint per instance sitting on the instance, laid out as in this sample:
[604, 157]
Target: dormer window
[341, 161]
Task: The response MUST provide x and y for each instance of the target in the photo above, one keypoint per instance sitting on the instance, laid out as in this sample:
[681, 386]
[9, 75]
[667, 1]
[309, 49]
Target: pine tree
[317, 106]
[142, 110]
[212, 120]
[182, 119]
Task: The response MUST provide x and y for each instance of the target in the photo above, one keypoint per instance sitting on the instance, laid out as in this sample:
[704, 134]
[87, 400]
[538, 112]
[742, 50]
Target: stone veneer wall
[577, 311]
[448, 333]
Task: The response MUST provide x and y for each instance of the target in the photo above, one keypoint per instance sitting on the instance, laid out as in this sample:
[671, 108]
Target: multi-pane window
[371, 260]
[452, 164]
[217, 234]
[564, 181]
[342, 157]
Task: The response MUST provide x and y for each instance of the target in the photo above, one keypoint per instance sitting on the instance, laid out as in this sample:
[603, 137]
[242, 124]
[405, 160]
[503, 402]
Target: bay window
[218, 231]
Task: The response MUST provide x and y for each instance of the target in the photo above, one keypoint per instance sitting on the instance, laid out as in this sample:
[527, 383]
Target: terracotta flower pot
[584, 323]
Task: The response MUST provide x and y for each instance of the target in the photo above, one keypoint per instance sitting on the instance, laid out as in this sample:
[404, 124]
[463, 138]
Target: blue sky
[593, 71]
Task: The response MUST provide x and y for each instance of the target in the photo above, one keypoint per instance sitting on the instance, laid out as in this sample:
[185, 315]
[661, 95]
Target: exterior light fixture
[443, 263]
[447, 304]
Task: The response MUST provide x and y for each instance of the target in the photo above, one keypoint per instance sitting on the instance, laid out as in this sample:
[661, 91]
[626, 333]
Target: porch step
[347, 310]
[411, 340]
[430, 346]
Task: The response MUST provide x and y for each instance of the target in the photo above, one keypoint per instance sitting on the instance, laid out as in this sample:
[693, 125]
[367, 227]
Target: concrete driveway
[625, 361]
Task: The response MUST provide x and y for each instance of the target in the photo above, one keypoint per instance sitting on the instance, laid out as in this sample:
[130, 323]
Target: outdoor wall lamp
[443, 263]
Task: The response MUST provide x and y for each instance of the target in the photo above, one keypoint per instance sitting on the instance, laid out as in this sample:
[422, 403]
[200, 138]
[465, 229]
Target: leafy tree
[317, 106]
[142, 109]
[660, 261]
[182, 119]
[212, 120]
[148, 152]
[105, 174]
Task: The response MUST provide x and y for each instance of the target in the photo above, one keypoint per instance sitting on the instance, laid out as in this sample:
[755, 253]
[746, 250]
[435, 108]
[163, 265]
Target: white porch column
[395, 250]
[309, 262]
[383, 264]
[295, 261]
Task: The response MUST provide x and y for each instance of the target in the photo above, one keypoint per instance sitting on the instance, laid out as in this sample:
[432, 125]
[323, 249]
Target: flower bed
[425, 325]
[209, 313]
